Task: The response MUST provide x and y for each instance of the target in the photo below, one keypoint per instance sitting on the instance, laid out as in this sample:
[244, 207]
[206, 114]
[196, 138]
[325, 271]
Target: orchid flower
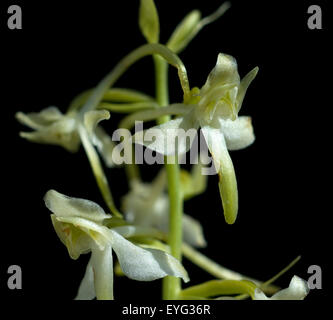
[148, 205]
[214, 108]
[69, 130]
[298, 289]
[79, 225]
[53, 127]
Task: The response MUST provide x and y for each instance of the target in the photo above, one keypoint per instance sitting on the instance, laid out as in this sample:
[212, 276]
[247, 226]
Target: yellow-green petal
[223, 165]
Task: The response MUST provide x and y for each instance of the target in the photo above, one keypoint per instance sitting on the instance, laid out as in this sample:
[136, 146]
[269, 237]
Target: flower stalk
[171, 285]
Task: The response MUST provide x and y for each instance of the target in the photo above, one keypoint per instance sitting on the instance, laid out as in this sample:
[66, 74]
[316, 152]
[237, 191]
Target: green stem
[171, 285]
[162, 88]
[148, 49]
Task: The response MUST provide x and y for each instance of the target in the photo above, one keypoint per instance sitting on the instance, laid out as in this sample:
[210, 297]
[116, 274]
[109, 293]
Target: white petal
[238, 134]
[87, 287]
[224, 72]
[298, 289]
[41, 119]
[64, 206]
[169, 138]
[103, 272]
[145, 264]
[223, 164]
[193, 232]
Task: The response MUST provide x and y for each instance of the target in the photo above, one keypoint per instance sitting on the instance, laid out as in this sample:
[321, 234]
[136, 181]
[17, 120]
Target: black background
[283, 177]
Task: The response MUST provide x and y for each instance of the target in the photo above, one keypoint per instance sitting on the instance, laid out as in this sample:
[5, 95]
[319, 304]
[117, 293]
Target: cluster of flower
[151, 233]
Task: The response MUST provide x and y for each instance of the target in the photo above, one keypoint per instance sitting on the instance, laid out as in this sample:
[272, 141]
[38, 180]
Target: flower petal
[145, 264]
[298, 289]
[169, 138]
[244, 84]
[103, 272]
[61, 132]
[76, 240]
[223, 165]
[224, 72]
[87, 287]
[238, 133]
[92, 118]
[193, 232]
[98, 136]
[64, 206]
[41, 119]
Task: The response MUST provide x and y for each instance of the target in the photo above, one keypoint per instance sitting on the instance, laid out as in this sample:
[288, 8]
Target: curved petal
[87, 288]
[224, 72]
[170, 138]
[64, 206]
[145, 264]
[238, 133]
[223, 165]
[298, 289]
[98, 136]
[92, 118]
[244, 84]
[102, 265]
[193, 232]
